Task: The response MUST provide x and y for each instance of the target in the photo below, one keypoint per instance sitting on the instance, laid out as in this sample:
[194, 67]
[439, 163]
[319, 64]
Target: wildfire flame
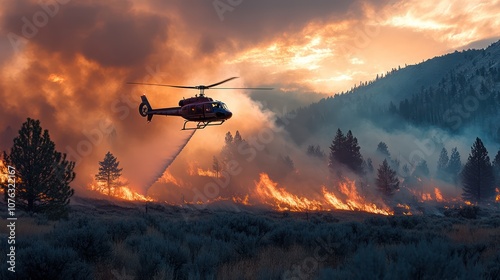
[281, 199]
[497, 199]
[206, 173]
[436, 195]
[439, 196]
[121, 192]
[353, 201]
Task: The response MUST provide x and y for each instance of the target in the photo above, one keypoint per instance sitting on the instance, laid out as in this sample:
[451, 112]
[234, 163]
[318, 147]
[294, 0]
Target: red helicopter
[200, 109]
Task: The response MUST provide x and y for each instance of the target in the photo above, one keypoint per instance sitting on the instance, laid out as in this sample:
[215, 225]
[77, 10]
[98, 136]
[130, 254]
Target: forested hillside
[453, 92]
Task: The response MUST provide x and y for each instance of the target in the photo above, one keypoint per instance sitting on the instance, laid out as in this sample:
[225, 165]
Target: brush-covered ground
[120, 240]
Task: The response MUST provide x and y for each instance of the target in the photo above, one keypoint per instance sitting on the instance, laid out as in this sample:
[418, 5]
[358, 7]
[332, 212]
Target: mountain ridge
[377, 101]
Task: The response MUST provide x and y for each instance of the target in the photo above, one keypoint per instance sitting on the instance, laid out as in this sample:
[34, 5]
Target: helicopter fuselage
[195, 109]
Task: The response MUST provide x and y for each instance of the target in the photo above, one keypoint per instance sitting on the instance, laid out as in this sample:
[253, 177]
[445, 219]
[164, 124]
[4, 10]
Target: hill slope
[453, 92]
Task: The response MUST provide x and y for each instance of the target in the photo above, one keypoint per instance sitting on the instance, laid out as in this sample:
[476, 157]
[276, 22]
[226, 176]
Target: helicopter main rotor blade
[247, 88]
[216, 84]
[160, 85]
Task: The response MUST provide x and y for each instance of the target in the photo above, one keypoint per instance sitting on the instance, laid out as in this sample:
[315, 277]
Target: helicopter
[200, 109]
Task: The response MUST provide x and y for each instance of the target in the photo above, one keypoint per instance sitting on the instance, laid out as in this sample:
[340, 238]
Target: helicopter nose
[228, 115]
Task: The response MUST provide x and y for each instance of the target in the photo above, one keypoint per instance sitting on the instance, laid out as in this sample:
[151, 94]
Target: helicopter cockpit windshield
[219, 105]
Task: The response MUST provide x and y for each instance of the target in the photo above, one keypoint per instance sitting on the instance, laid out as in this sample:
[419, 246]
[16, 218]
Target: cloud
[71, 71]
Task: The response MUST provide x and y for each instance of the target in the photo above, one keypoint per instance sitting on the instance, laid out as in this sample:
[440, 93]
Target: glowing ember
[497, 199]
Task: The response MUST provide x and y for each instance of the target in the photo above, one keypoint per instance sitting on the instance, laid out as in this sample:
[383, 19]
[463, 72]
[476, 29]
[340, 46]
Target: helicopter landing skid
[201, 125]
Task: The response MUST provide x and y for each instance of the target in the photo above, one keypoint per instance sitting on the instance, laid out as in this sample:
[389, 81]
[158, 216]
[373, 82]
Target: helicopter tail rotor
[145, 108]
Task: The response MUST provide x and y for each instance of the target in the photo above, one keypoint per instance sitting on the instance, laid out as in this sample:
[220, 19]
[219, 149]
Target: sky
[66, 62]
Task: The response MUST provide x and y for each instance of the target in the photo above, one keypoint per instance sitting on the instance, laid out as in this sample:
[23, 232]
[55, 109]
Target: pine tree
[108, 171]
[227, 150]
[337, 150]
[315, 151]
[421, 170]
[477, 176]
[454, 166]
[442, 165]
[237, 139]
[387, 182]
[43, 173]
[383, 150]
[216, 167]
[353, 159]
[369, 165]
[228, 139]
[496, 169]
[346, 150]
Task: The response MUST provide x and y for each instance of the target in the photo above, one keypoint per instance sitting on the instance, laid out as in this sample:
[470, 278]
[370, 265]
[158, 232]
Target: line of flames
[350, 199]
[120, 192]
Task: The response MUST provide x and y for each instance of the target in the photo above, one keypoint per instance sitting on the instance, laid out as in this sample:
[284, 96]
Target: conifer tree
[496, 169]
[43, 174]
[237, 138]
[108, 171]
[346, 150]
[353, 160]
[337, 152]
[454, 166]
[216, 167]
[477, 176]
[421, 170]
[383, 150]
[387, 182]
[442, 165]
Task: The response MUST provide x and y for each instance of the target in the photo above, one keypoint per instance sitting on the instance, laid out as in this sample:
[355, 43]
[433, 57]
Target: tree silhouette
[496, 169]
[43, 173]
[442, 165]
[477, 176]
[216, 167]
[353, 160]
[383, 150]
[345, 150]
[108, 171]
[337, 152]
[237, 138]
[454, 166]
[387, 182]
[315, 151]
[421, 170]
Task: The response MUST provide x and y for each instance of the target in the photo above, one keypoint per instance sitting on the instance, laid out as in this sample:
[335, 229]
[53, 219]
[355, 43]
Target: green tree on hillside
[108, 171]
[42, 174]
[477, 176]
[387, 182]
